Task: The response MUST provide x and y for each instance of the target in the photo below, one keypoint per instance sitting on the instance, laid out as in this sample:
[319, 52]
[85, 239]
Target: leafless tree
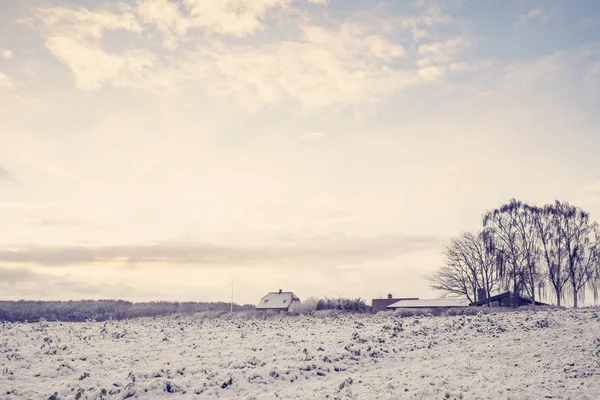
[547, 221]
[511, 228]
[579, 237]
[470, 262]
[480, 246]
[523, 249]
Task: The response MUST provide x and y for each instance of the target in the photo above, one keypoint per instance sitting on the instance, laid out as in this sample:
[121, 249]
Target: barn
[381, 304]
[429, 303]
[277, 301]
[506, 299]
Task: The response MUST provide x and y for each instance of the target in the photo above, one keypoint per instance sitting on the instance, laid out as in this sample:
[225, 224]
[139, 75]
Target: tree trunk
[515, 291]
[532, 282]
[575, 296]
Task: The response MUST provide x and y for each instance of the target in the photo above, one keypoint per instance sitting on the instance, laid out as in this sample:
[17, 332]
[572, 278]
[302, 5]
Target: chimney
[390, 296]
[481, 294]
[279, 291]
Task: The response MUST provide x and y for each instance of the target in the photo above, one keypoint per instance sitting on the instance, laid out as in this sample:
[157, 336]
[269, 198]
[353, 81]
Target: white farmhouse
[279, 301]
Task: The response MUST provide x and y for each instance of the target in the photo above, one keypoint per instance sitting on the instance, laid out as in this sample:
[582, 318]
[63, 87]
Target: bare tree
[480, 247]
[523, 249]
[546, 221]
[469, 265]
[579, 237]
[534, 274]
[503, 225]
[595, 280]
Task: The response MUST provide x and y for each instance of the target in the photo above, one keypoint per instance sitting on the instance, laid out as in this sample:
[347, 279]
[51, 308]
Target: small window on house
[285, 301]
[266, 301]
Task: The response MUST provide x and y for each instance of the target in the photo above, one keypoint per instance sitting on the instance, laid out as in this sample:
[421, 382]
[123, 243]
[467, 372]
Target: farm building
[429, 303]
[381, 304]
[278, 301]
[505, 299]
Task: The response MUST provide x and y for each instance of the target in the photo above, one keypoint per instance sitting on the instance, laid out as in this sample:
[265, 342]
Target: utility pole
[231, 308]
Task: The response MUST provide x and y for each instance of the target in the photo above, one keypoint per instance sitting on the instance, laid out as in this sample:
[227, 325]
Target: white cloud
[235, 17]
[462, 67]
[167, 18]
[171, 19]
[6, 81]
[383, 49]
[441, 52]
[522, 74]
[85, 24]
[6, 54]
[430, 17]
[73, 37]
[321, 2]
[323, 67]
[431, 73]
[238, 18]
[92, 67]
[418, 34]
[326, 68]
[538, 13]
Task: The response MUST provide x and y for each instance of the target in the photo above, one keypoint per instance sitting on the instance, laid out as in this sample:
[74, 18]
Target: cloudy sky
[158, 149]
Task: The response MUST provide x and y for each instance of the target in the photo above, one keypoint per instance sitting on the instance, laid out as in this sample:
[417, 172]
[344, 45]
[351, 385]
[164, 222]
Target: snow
[428, 303]
[503, 355]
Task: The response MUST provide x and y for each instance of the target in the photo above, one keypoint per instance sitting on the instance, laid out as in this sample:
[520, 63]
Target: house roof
[522, 300]
[429, 303]
[276, 300]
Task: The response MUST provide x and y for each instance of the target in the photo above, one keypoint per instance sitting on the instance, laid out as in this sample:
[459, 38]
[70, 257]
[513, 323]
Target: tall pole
[231, 308]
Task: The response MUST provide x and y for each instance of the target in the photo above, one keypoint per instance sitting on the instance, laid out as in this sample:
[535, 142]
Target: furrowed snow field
[506, 355]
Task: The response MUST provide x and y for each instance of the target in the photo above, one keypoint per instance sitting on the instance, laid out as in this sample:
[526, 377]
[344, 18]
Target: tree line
[528, 250]
[101, 310]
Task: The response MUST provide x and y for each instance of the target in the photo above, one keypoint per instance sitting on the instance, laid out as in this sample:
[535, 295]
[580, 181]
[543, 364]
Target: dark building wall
[506, 300]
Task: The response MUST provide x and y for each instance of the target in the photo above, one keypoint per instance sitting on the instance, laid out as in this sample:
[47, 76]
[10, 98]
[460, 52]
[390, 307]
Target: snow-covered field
[522, 355]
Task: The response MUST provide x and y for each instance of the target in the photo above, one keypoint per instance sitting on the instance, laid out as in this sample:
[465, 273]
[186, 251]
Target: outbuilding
[381, 304]
[429, 303]
[506, 299]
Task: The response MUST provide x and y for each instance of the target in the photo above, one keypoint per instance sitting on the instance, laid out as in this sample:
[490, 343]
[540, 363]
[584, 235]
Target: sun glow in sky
[158, 149]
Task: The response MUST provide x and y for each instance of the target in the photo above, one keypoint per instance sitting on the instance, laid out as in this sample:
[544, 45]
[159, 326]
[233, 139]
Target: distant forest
[101, 310]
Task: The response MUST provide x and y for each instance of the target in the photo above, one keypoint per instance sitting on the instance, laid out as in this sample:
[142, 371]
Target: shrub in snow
[345, 383]
[409, 312]
[321, 305]
[343, 304]
[307, 307]
[226, 384]
[327, 313]
[251, 314]
[173, 388]
[467, 311]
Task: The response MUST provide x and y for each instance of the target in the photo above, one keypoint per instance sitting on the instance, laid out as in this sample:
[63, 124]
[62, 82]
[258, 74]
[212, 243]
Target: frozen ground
[525, 355]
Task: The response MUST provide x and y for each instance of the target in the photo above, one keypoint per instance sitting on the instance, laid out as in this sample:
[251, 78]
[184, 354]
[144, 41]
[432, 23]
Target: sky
[160, 149]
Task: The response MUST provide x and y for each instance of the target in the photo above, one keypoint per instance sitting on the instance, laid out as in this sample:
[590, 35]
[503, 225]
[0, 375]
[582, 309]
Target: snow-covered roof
[276, 300]
[429, 303]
